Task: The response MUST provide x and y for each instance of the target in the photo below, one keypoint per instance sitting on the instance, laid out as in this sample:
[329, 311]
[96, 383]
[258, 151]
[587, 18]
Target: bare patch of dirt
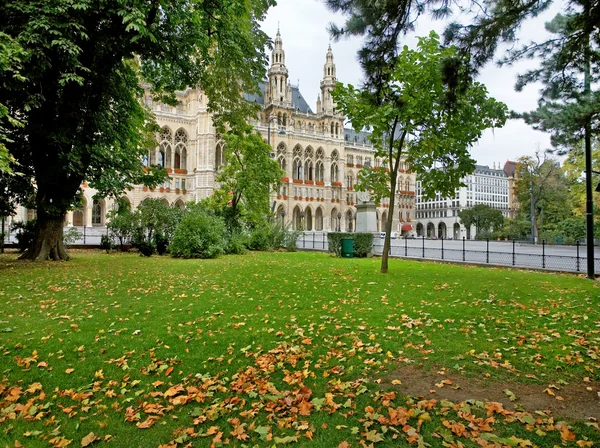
[574, 401]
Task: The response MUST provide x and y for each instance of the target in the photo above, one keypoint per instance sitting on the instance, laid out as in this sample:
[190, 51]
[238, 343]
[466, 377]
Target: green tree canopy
[248, 177]
[78, 94]
[541, 187]
[485, 218]
[417, 121]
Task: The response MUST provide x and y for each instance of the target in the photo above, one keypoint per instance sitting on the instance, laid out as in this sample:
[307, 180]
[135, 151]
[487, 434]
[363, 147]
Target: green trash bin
[347, 248]
[559, 240]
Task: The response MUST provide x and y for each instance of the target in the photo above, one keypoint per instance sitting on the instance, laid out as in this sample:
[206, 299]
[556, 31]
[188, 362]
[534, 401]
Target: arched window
[320, 172]
[219, 161]
[297, 169]
[319, 219]
[334, 172]
[161, 156]
[407, 185]
[96, 213]
[350, 180]
[181, 139]
[166, 135]
[308, 170]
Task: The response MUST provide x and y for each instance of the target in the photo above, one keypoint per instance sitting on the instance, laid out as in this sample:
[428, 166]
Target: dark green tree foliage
[382, 24]
[11, 54]
[154, 224]
[78, 93]
[415, 121]
[565, 108]
[485, 219]
[201, 234]
[121, 223]
[542, 191]
[248, 177]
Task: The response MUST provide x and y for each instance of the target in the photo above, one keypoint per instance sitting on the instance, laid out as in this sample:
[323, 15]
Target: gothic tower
[327, 85]
[278, 91]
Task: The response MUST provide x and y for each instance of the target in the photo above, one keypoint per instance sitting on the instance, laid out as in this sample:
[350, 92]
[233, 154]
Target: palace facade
[321, 158]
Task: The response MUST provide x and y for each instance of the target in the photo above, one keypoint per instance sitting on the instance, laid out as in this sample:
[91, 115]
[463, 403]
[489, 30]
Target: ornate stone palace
[320, 157]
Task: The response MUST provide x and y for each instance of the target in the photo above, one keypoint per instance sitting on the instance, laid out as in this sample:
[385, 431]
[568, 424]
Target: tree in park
[541, 188]
[573, 167]
[247, 178]
[418, 116]
[485, 219]
[569, 108]
[78, 90]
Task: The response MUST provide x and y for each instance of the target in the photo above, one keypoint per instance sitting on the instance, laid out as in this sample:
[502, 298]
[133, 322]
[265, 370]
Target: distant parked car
[393, 235]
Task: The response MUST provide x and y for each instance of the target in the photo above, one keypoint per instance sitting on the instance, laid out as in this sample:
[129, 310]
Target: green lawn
[269, 349]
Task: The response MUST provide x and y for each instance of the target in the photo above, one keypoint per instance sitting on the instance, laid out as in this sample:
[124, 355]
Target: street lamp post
[339, 216]
[282, 213]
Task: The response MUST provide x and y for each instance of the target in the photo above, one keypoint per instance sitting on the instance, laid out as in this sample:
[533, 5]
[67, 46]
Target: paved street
[565, 258]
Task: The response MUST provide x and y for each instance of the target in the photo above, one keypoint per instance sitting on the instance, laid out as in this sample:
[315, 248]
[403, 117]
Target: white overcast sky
[303, 26]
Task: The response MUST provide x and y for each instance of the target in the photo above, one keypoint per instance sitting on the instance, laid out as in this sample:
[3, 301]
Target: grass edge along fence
[363, 243]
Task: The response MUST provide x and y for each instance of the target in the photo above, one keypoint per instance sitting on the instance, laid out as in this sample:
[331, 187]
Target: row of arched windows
[172, 150]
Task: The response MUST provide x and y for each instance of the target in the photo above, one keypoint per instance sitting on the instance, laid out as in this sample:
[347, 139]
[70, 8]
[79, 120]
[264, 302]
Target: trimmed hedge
[363, 243]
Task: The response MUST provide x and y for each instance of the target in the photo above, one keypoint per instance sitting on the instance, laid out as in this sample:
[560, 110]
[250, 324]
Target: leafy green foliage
[247, 178]
[199, 235]
[78, 91]
[423, 118]
[363, 243]
[485, 219]
[154, 225]
[121, 223]
[107, 243]
[272, 235]
[25, 231]
[71, 236]
[11, 54]
[542, 191]
[237, 243]
[565, 107]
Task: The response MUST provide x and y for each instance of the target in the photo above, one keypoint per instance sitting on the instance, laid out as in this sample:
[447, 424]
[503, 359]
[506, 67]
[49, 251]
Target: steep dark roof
[362, 137]
[484, 169]
[298, 100]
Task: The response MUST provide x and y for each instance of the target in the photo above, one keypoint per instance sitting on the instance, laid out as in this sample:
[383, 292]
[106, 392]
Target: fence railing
[565, 258]
[85, 235]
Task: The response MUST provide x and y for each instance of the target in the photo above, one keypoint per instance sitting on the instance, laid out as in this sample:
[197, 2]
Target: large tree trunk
[48, 241]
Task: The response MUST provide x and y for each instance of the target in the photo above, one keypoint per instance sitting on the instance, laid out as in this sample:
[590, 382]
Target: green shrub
[261, 237]
[107, 243]
[237, 243]
[144, 245]
[291, 239]
[25, 234]
[199, 235]
[161, 242]
[363, 243]
[71, 236]
[271, 235]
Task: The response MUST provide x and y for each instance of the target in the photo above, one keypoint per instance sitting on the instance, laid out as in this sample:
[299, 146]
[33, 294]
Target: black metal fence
[565, 258]
[80, 235]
